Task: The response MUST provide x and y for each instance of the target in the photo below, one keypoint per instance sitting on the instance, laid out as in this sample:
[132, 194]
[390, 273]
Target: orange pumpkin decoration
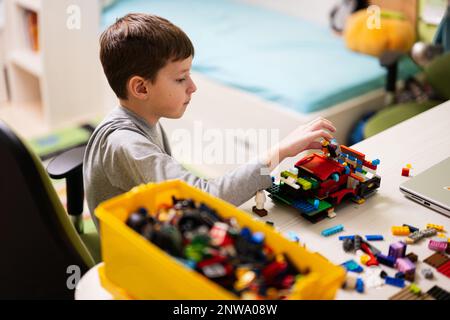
[392, 33]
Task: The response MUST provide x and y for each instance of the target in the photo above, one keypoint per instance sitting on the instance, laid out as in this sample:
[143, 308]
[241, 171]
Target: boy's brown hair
[140, 45]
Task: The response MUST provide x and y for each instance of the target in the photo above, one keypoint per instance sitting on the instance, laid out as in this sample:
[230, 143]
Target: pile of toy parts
[236, 258]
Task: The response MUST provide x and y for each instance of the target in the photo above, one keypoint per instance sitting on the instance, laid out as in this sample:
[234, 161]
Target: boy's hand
[303, 138]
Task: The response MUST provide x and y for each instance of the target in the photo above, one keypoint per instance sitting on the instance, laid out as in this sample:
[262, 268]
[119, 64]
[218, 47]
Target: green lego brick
[314, 182]
[323, 205]
[281, 199]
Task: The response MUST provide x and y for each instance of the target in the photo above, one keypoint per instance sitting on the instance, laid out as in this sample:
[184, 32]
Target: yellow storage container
[135, 268]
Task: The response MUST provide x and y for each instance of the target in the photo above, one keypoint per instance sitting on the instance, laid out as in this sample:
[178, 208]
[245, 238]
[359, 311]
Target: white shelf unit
[64, 78]
[3, 95]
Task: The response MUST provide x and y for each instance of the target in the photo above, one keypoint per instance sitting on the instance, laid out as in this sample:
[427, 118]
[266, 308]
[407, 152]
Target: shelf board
[27, 60]
[33, 5]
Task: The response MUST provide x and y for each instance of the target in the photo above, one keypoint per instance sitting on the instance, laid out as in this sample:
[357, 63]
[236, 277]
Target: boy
[147, 61]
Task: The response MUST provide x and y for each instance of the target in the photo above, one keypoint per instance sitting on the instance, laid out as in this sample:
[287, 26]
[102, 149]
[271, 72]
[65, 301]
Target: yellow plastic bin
[135, 268]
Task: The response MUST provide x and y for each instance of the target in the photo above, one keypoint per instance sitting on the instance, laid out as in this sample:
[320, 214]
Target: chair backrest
[39, 247]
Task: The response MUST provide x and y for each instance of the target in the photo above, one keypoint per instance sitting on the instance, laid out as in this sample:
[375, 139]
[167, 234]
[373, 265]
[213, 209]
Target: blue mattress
[281, 58]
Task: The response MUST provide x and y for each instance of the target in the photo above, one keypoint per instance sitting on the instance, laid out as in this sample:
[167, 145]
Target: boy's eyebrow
[185, 70]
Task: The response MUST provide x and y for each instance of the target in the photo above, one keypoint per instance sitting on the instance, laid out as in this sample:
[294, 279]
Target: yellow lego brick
[435, 226]
[400, 231]
[306, 185]
[364, 259]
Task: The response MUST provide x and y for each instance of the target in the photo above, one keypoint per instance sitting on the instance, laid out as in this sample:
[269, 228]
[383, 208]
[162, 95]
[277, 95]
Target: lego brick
[395, 282]
[405, 172]
[369, 165]
[435, 226]
[400, 231]
[405, 265]
[436, 260]
[353, 266]
[303, 206]
[408, 294]
[375, 237]
[332, 230]
[397, 250]
[437, 246]
[411, 228]
[412, 257]
[306, 185]
[346, 237]
[438, 293]
[445, 269]
[319, 165]
[386, 260]
[352, 152]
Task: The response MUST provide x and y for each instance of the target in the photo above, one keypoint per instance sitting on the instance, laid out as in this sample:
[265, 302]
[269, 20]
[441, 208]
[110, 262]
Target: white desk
[422, 141]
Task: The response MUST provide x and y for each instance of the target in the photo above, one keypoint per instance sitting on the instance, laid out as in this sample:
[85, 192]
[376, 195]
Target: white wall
[317, 11]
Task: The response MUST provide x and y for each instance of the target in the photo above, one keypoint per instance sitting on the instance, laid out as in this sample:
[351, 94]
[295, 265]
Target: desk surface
[421, 141]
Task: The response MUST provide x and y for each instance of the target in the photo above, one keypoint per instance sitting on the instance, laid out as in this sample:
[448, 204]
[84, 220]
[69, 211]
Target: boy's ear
[137, 87]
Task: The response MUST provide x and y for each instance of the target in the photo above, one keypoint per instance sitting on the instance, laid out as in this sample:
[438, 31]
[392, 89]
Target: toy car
[319, 182]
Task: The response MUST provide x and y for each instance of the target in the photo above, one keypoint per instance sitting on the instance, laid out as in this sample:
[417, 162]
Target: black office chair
[40, 248]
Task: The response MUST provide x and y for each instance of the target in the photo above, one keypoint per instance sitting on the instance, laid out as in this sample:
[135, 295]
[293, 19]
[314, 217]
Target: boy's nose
[192, 88]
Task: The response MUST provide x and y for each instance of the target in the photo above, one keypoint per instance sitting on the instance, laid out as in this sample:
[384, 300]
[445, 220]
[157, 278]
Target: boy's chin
[176, 115]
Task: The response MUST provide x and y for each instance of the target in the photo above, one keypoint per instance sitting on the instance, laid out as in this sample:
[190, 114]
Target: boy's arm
[131, 159]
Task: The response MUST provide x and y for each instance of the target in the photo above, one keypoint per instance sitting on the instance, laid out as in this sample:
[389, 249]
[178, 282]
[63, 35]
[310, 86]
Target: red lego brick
[338, 195]
[369, 165]
[353, 153]
[320, 166]
[405, 172]
[445, 269]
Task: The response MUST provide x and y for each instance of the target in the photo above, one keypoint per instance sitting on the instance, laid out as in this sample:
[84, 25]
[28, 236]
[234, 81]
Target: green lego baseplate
[274, 193]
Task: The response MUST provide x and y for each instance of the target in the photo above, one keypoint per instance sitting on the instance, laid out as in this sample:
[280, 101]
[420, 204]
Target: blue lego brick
[303, 206]
[374, 237]
[346, 237]
[376, 162]
[395, 282]
[386, 260]
[352, 266]
[359, 285]
[316, 203]
[333, 230]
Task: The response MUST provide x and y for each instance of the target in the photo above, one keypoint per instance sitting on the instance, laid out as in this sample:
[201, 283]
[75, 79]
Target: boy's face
[172, 89]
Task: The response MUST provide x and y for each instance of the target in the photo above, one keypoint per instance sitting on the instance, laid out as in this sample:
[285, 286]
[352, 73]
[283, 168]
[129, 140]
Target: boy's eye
[181, 80]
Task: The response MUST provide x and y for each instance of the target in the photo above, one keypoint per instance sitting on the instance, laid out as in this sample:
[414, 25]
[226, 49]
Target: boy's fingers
[322, 125]
[320, 134]
[314, 145]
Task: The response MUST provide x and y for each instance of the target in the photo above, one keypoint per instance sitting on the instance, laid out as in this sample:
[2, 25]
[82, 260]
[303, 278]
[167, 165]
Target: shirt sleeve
[131, 159]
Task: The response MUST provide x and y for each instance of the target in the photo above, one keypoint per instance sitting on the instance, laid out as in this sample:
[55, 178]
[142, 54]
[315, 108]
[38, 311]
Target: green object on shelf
[59, 140]
[438, 75]
[393, 115]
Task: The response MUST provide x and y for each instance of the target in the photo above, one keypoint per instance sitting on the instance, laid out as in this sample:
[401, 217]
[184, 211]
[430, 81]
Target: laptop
[431, 188]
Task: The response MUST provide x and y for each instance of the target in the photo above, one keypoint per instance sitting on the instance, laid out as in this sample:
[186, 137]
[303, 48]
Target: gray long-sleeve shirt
[125, 151]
